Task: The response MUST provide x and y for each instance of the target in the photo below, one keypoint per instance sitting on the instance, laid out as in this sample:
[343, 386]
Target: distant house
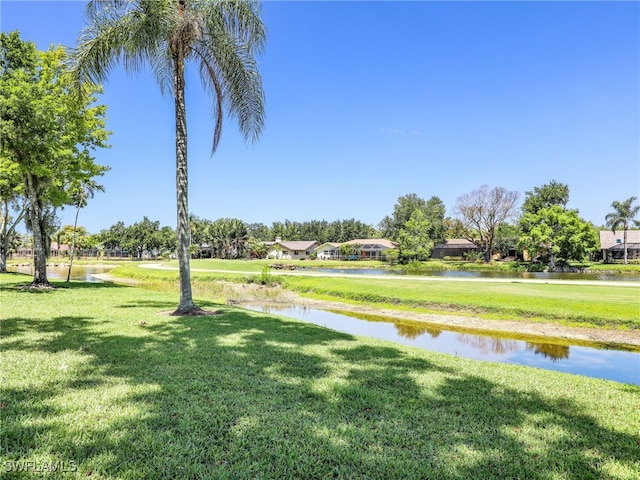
[59, 250]
[372, 248]
[454, 247]
[328, 251]
[612, 244]
[294, 250]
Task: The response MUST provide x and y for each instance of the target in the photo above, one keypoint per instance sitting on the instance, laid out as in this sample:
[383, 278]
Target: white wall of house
[327, 251]
[286, 253]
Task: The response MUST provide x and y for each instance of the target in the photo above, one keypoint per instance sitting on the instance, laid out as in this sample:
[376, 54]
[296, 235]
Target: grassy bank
[94, 376]
[577, 305]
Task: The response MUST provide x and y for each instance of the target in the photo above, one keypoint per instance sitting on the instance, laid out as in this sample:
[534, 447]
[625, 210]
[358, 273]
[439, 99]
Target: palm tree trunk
[73, 244]
[624, 239]
[184, 238]
[39, 248]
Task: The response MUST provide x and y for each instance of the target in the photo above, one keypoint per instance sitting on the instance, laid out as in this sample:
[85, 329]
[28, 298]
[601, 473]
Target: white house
[368, 249]
[295, 250]
[328, 251]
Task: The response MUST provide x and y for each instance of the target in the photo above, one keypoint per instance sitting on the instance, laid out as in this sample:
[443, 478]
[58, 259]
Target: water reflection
[618, 365]
[609, 277]
[84, 273]
[412, 332]
[484, 343]
[554, 352]
[488, 345]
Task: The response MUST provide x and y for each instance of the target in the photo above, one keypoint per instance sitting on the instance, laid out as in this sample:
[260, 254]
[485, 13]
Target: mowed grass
[96, 375]
[584, 305]
[577, 305]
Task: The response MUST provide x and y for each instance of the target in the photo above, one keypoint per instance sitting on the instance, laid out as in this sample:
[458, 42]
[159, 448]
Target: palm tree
[80, 195]
[222, 38]
[624, 213]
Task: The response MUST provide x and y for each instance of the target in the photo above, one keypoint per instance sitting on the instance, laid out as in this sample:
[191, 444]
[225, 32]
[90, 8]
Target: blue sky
[367, 101]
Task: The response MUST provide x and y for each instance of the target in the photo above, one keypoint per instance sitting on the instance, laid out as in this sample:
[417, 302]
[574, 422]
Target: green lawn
[94, 374]
[584, 305]
[578, 305]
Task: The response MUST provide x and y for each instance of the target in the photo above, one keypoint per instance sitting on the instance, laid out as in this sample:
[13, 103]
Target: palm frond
[95, 7]
[242, 20]
[221, 37]
[210, 81]
[127, 33]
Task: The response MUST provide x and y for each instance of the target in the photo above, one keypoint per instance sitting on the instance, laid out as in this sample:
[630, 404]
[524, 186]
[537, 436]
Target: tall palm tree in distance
[221, 38]
[80, 195]
[623, 214]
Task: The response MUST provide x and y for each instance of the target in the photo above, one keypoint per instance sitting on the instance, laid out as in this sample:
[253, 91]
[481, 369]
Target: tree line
[492, 218]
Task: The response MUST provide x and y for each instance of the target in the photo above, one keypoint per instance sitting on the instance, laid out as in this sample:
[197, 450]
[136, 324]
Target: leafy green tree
[414, 240]
[455, 228]
[142, 236]
[113, 237]
[558, 232]
[48, 130]
[507, 237]
[227, 238]
[433, 209]
[350, 251]
[483, 210]
[257, 248]
[622, 216]
[66, 234]
[221, 38]
[553, 193]
[12, 207]
[93, 241]
[198, 229]
[314, 230]
[167, 239]
[347, 230]
[259, 231]
[287, 230]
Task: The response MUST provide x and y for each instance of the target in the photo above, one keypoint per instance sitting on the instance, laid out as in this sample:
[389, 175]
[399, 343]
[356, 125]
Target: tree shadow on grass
[55, 334]
[246, 395]
[62, 285]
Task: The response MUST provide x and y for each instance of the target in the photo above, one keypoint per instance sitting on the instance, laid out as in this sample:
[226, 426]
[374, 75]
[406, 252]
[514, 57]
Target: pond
[618, 365]
[83, 273]
[617, 277]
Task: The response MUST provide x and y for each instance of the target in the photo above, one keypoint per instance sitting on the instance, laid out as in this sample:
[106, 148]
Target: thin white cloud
[399, 131]
[392, 131]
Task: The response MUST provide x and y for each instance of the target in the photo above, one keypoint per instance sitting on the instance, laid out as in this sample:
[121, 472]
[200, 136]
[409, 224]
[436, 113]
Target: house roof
[299, 245]
[609, 239]
[369, 242]
[328, 244]
[457, 243]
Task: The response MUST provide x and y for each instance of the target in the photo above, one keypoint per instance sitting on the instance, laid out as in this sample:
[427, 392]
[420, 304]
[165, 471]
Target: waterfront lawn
[94, 375]
[573, 305]
[578, 305]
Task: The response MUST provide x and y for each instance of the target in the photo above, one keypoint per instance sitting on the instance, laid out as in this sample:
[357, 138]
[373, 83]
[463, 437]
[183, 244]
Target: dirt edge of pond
[537, 329]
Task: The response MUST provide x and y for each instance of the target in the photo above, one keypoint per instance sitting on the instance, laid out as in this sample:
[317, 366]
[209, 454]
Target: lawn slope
[96, 375]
